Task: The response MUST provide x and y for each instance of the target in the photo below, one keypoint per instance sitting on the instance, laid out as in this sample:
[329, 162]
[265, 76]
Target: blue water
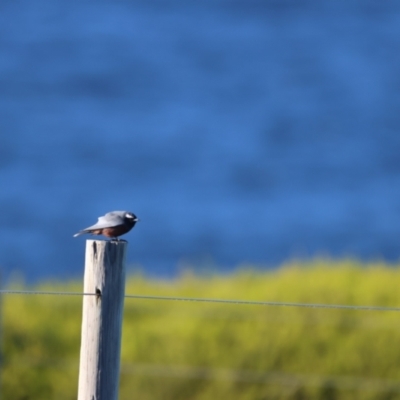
[238, 131]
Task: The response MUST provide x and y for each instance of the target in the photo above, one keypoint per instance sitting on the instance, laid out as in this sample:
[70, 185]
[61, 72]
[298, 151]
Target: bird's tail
[80, 233]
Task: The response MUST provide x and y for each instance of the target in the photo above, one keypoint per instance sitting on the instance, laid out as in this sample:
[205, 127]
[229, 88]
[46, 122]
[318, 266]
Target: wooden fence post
[102, 320]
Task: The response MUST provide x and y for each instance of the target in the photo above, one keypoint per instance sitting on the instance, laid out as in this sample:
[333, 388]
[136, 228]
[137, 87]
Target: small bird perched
[112, 225]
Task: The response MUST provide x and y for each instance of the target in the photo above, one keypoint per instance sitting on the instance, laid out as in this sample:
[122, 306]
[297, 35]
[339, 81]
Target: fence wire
[208, 300]
[271, 377]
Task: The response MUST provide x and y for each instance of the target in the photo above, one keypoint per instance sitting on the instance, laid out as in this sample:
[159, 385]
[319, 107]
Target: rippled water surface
[238, 131]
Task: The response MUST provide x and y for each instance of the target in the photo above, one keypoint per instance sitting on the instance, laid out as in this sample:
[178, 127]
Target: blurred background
[238, 131]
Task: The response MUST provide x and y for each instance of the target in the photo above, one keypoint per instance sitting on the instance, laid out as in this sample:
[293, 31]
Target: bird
[112, 224]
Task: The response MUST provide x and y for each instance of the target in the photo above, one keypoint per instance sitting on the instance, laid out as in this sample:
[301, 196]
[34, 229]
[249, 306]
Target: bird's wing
[113, 218]
[107, 221]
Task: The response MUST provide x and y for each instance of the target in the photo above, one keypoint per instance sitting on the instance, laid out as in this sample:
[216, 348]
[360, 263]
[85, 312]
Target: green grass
[176, 350]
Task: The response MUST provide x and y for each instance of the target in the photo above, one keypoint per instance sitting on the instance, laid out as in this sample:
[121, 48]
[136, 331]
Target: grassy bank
[175, 350]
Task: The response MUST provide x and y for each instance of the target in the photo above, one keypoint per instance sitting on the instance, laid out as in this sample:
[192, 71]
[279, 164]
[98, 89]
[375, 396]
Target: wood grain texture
[102, 320]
